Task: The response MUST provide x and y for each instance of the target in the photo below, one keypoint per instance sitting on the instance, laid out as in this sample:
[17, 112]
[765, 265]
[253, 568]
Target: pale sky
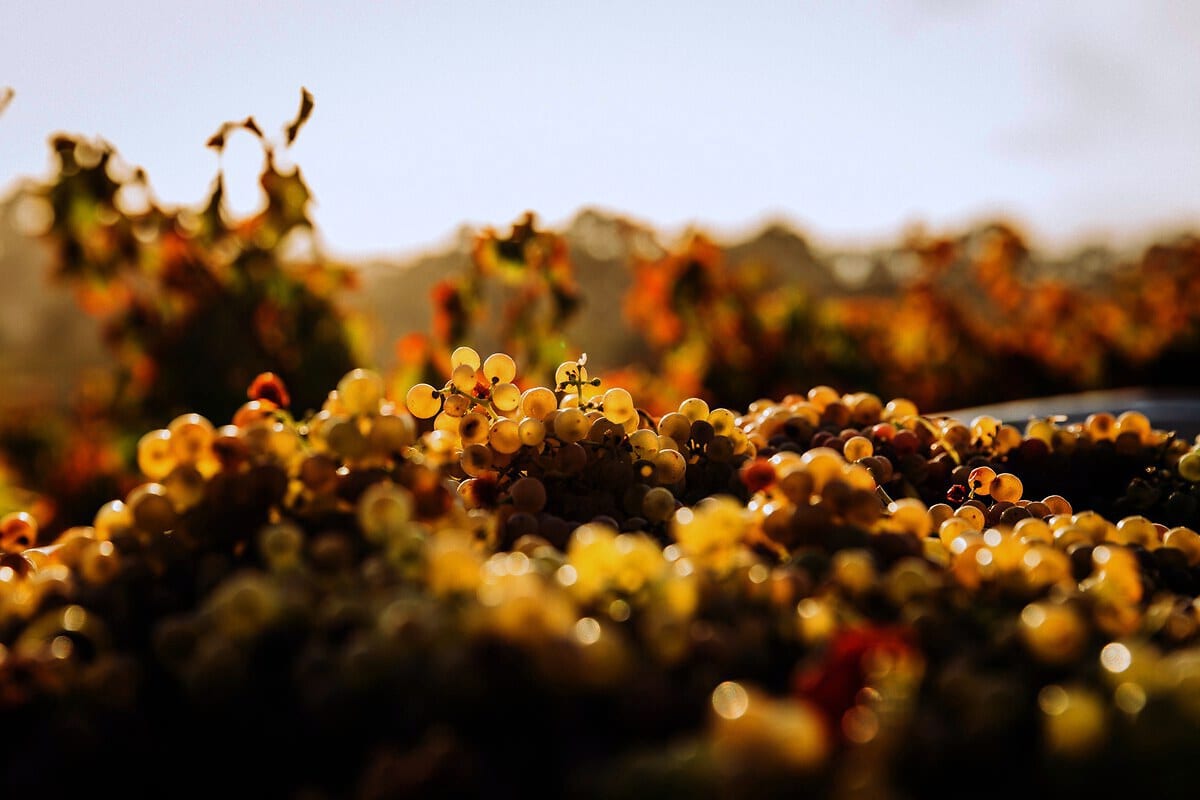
[849, 119]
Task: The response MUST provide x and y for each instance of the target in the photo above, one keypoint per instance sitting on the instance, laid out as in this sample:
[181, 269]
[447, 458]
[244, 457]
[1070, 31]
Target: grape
[1134, 422]
[391, 433]
[500, 368]
[155, 456]
[506, 397]
[694, 408]
[528, 495]
[345, 438]
[723, 421]
[464, 356]
[191, 437]
[384, 511]
[423, 401]
[644, 443]
[658, 504]
[456, 405]
[504, 436]
[571, 425]
[473, 428]
[572, 458]
[980, 480]
[532, 432]
[568, 373]
[1054, 633]
[618, 405]
[899, 409]
[538, 402]
[1189, 466]
[675, 425]
[361, 391]
[1101, 426]
[476, 459]
[150, 509]
[984, 430]
[185, 487]
[1007, 487]
[857, 447]
[821, 396]
[972, 515]
[669, 466]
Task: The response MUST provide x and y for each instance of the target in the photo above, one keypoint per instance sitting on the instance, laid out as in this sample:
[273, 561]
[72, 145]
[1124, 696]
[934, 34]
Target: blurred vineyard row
[192, 302]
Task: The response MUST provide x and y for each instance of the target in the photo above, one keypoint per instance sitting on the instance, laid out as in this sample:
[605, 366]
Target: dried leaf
[306, 107]
[252, 126]
[6, 96]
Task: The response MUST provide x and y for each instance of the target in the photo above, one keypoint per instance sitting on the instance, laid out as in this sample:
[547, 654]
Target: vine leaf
[306, 107]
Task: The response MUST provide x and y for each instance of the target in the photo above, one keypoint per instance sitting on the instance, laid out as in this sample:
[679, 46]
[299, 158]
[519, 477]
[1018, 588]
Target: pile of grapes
[478, 588]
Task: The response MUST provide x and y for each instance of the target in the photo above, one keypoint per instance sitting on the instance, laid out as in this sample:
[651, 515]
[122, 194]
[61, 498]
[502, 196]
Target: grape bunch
[486, 586]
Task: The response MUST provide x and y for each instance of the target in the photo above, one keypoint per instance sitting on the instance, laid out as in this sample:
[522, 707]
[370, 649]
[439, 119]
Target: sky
[850, 120]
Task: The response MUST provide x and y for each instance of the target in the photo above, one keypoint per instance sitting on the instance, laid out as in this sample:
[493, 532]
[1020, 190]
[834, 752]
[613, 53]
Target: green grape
[694, 408]
[644, 443]
[456, 405]
[618, 404]
[658, 504]
[476, 459]
[504, 436]
[465, 377]
[571, 425]
[857, 447]
[150, 509]
[282, 440]
[677, 426]
[447, 423]
[1189, 466]
[1137, 530]
[568, 373]
[723, 421]
[344, 438]
[1134, 422]
[155, 456]
[1007, 487]
[984, 429]
[385, 511]
[822, 396]
[1101, 426]
[898, 409]
[528, 494]
[391, 433]
[603, 429]
[473, 428]
[980, 480]
[538, 402]
[281, 545]
[669, 466]
[185, 487]
[191, 437]
[423, 401]
[361, 391]
[532, 432]
[464, 355]
[506, 397]
[499, 368]
[572, 458]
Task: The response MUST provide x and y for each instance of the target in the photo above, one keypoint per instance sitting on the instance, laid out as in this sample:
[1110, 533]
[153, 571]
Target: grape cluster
[829, 594]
